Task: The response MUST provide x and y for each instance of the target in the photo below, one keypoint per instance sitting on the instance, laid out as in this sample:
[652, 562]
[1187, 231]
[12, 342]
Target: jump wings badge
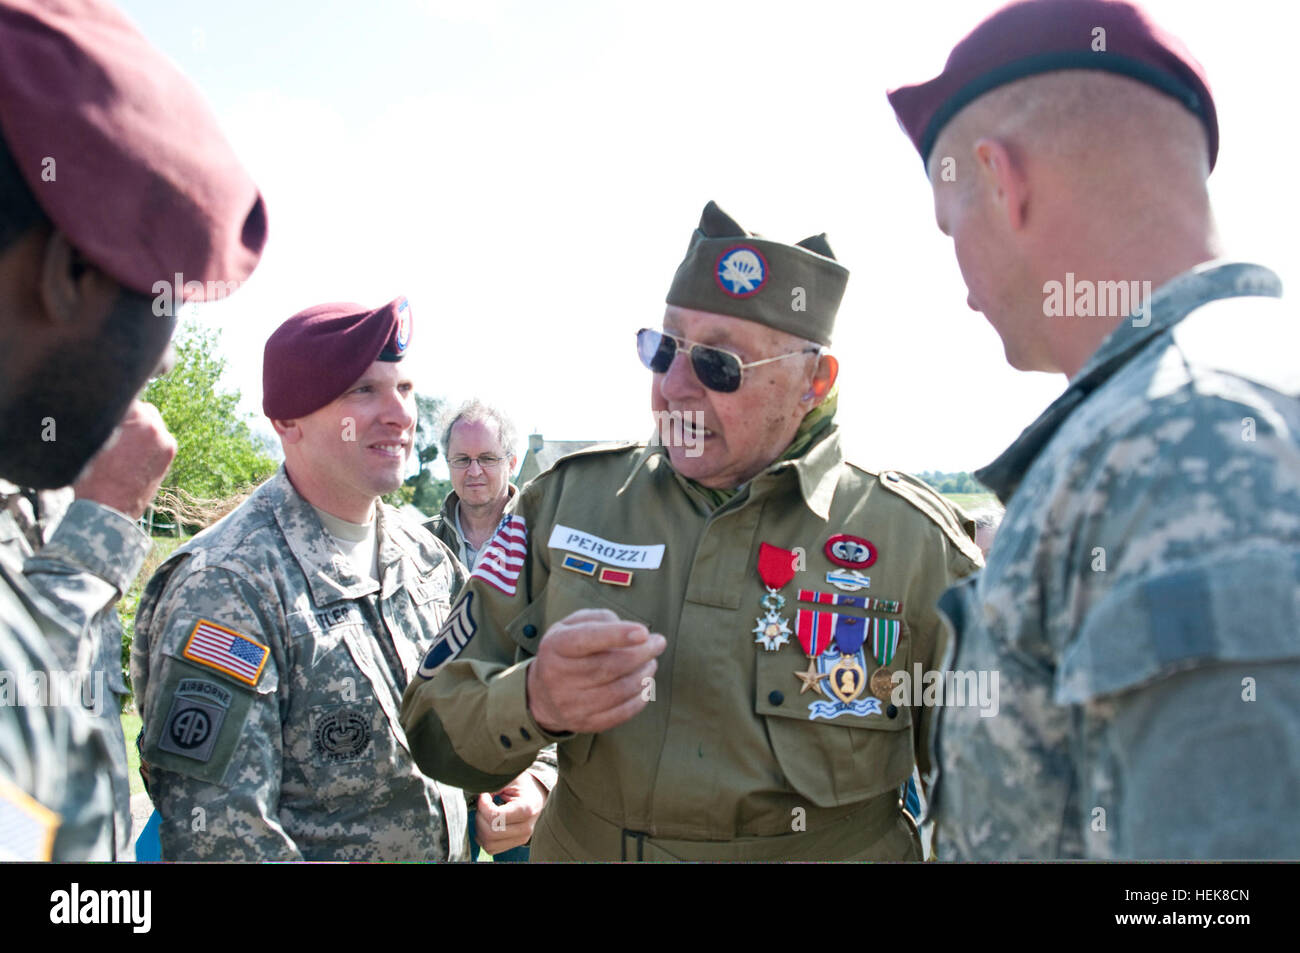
[775, 568]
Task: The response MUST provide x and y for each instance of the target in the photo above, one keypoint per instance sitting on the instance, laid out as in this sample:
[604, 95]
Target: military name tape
[618, 554]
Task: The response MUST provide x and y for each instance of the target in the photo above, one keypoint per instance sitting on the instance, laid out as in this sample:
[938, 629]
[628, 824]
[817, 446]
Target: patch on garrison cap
[741, 271]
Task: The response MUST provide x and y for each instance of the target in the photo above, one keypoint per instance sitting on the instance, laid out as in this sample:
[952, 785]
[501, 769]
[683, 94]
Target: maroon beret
[319, 353]
[1042, 36]
[121, 152]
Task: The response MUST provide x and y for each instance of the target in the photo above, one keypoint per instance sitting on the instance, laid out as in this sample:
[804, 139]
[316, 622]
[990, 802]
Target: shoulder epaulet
[956, 525]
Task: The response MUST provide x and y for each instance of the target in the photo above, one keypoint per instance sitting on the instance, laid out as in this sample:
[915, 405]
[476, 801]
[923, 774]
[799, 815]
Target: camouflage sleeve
[945, 565]
[212, 722]
[55, 796]
[1201, 765]
[89, 562]
[1187, 637]
[466, 712]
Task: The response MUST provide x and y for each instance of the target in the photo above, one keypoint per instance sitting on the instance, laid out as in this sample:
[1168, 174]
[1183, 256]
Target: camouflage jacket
[1140, 600]
[270, 676]
[79, 558]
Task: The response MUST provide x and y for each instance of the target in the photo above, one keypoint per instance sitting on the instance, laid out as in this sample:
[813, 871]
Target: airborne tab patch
[227, 651]
[194, 721]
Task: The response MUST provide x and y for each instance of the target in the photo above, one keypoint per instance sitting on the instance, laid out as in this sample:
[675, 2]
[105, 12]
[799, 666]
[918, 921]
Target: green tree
[423, 490]
[218, 455]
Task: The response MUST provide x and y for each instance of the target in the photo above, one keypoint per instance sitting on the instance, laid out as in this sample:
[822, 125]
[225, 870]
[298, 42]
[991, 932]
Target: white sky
[529, 174]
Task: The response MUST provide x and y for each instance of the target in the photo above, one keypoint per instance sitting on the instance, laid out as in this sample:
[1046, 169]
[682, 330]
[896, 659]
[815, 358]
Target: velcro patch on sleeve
[452, 638]
[27, 827]
[225, 650]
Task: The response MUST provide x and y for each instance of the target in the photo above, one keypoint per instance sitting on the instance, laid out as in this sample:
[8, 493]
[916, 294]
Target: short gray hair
[475, 410]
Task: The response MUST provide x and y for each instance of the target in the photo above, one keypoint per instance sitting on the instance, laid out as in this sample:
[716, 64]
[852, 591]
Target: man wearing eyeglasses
[479, 443]
[709, 626]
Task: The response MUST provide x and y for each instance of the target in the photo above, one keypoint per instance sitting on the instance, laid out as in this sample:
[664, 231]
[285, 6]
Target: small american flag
[502, 560]
[227, 651]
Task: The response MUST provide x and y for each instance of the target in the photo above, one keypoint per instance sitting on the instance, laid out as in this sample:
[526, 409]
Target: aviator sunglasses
[716, 368]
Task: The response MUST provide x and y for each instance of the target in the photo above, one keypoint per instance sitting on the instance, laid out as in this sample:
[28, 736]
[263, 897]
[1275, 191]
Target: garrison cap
[728, 270]
[319, 353]
[121, 152]
[1042, 36]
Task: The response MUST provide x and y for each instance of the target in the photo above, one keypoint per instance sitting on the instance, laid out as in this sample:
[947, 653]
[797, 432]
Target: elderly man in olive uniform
[1140, 597]
[707, 625]
[103, 207]
[271, 651]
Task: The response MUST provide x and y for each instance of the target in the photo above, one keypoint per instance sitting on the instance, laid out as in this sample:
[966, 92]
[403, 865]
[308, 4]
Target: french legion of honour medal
[775, 568]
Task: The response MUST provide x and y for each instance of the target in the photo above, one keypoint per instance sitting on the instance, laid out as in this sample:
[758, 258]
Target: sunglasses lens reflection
[655, 350]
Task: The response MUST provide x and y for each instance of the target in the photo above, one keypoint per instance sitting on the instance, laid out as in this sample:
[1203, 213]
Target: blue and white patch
[741, 271]
[452, 637]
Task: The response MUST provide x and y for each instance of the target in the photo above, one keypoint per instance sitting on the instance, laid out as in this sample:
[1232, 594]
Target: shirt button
[523, 733]
[505, 742]
[776, 698]
[891, 711]
[530, 631]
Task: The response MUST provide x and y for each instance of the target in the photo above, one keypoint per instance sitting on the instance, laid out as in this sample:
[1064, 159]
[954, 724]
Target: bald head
[1107, 130]
[1076, 172]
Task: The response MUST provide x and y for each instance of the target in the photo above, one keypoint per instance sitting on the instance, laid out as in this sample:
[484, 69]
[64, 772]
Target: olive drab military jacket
[732, 757]
[270, 676]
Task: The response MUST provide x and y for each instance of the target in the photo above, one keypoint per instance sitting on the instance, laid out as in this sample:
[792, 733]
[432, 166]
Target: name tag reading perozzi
[616, 554]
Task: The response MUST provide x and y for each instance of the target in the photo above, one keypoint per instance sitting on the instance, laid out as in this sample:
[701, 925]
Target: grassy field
[971, 501]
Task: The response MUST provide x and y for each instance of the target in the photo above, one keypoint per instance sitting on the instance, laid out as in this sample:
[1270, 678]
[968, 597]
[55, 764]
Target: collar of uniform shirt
[1169, 304]
[814, 473]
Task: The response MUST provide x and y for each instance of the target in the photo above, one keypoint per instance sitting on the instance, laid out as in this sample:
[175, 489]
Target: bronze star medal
[815, 631]
[811, 677]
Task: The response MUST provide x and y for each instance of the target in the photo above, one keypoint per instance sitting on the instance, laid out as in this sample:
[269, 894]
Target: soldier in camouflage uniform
[101, 206]
[108, 548]
[271, 651]
[696, 621]
[1140, 597]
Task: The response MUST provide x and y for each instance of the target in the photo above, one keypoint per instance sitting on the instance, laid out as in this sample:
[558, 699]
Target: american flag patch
[27, 827]
[227, 651]
[452, 637]
[503, 559]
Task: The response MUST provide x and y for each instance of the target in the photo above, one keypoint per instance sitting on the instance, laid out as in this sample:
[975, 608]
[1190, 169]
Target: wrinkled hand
[589, 672]
[499, 827]
[127, 471]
